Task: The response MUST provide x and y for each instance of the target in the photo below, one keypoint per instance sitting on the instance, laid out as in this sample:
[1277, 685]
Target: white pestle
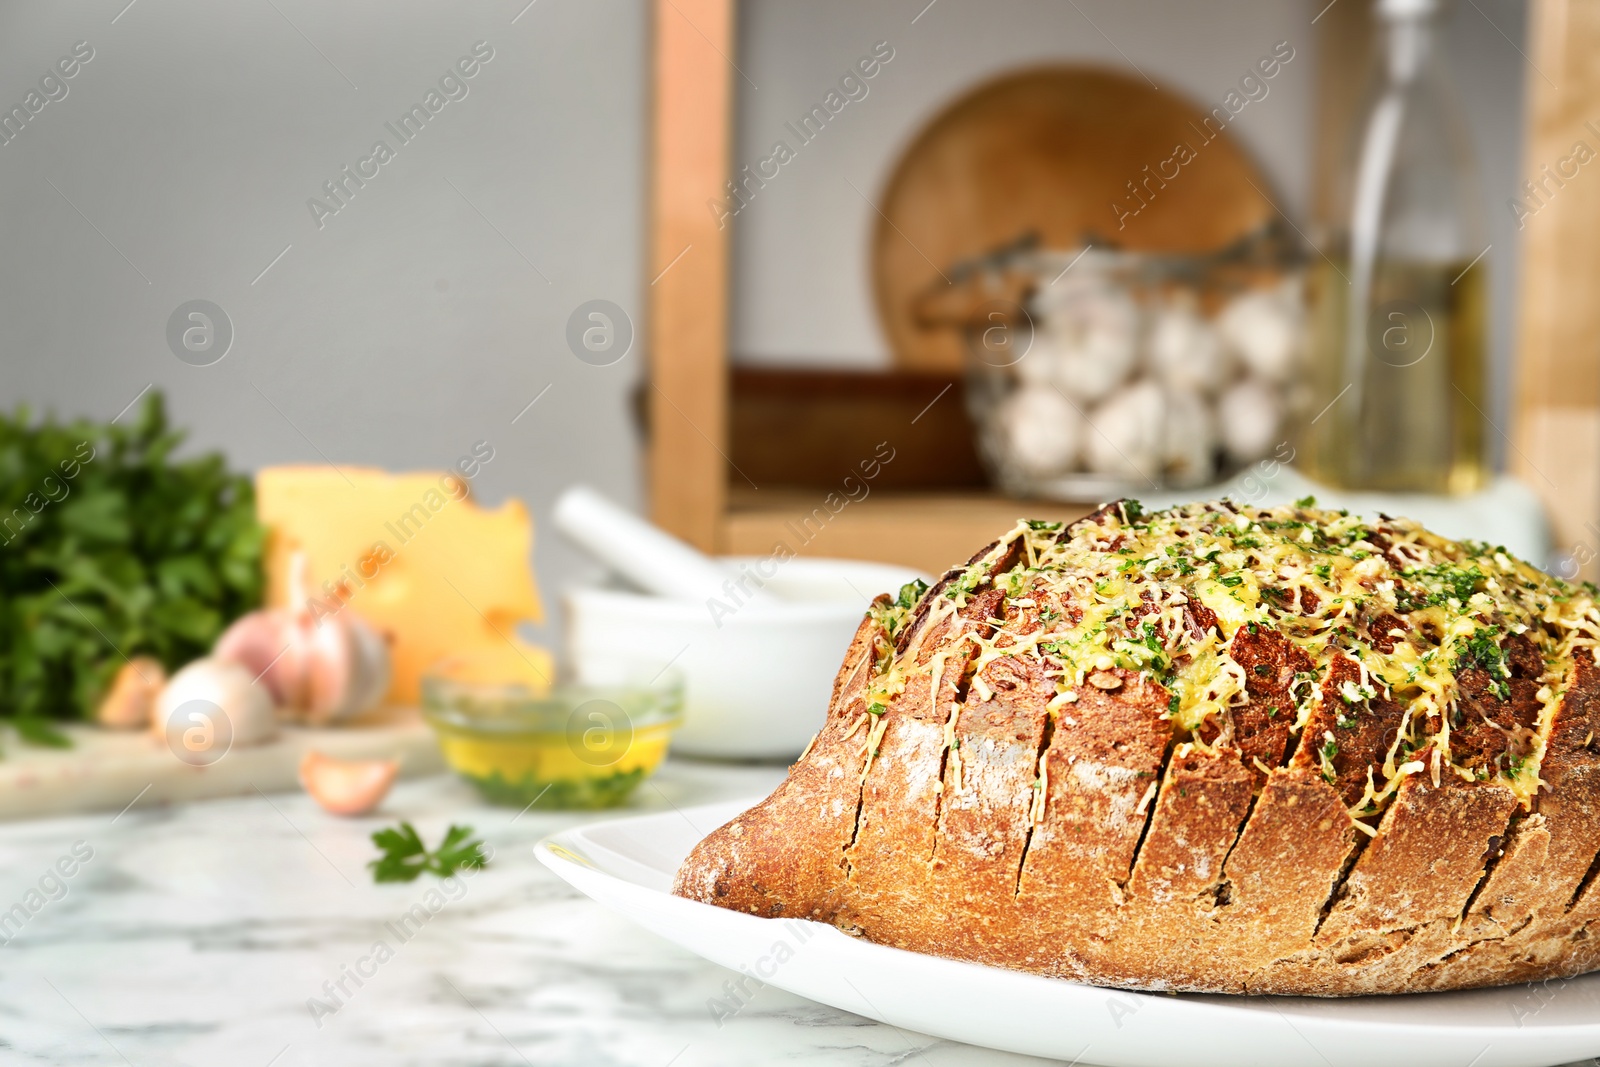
[646, 555]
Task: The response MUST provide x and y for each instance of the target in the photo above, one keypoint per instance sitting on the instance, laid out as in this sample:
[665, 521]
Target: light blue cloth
[1505, 513]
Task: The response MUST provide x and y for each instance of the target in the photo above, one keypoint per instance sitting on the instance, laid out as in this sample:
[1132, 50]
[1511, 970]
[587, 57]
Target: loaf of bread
[1214, 748]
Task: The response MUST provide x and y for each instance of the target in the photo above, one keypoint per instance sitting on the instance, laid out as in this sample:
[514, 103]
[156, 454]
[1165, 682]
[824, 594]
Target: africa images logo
[52, 87]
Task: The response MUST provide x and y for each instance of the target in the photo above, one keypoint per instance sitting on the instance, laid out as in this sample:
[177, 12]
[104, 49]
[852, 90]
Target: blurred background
[425, 315]
[852, 282]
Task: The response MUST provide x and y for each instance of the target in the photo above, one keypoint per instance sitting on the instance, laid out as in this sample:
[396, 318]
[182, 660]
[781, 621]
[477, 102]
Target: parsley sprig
[405, 857]
[1482, 650]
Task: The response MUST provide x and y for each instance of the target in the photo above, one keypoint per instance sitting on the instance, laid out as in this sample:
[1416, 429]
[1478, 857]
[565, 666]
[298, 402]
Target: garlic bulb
[130, 701]
[1125, 433]
[347, 787]
[1263, 327]
[1094, 327]
[1041, 363]
[1190, 440]
[1042, 428]
[1185, 351]
[319, 665]
[1249, 417]
[208, 707]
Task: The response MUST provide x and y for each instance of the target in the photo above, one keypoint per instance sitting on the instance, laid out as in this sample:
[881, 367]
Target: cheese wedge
[412, 555]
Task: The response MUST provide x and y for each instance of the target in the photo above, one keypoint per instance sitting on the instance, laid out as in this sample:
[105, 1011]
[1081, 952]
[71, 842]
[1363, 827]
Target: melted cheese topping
[1412, 610]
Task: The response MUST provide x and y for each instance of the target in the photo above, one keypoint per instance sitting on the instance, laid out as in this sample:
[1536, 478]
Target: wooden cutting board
[108, 770]
[1051, 150]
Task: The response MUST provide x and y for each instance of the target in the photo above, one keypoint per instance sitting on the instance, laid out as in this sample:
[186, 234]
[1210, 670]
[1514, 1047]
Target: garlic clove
[331, 667]
[320, 663]
[130, 701]
[347, 671]
[375, 664]
[263, 643]
[210, 706]
[347, 787]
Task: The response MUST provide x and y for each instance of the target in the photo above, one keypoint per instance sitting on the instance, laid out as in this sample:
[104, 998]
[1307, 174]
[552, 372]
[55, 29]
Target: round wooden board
[1053, 150]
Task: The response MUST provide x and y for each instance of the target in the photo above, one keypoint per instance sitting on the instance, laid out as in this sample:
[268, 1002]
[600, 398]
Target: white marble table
[196, 934]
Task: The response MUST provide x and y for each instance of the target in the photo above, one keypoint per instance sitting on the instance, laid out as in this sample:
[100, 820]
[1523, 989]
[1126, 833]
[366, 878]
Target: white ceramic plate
[628, 864]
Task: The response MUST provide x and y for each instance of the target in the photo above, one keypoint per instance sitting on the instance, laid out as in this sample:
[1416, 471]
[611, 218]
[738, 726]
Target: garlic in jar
[1263, 327]
[1094, 327]
[1189, 440]
[1249, 418]
[1125, 433]
[1040, 364]
[319, 666]
[1185, 351]
[1042, 429]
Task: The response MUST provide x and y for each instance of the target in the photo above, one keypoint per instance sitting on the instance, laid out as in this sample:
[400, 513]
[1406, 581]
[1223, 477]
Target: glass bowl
[522, 741]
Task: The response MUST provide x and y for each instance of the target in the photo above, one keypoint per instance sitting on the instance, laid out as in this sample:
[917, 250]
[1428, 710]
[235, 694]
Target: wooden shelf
[1555, 443]
[929, 531]
[1555, 438]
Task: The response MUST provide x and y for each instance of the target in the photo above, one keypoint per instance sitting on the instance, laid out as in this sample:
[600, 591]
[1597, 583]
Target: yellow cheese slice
[412, 554]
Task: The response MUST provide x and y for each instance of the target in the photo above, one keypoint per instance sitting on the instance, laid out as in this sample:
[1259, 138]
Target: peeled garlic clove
[1250, 418]
[130, 701]
[347, 787]
[1265, 332]
[1042, 429]
[1125, 433]
[1189, 441]
[1185, 351]
[192, 706]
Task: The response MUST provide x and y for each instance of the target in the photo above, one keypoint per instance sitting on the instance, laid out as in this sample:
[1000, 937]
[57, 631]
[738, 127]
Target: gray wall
[409, 325]
[412, 324]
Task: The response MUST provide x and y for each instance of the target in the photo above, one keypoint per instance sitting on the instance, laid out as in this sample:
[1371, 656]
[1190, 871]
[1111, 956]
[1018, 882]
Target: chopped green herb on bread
[1216, 748]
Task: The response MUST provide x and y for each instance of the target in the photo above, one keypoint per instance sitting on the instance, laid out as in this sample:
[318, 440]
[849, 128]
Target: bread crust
[984, 817]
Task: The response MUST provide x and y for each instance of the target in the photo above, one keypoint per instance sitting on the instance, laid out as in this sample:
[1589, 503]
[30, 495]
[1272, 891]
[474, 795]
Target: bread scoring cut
[1215, 747]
